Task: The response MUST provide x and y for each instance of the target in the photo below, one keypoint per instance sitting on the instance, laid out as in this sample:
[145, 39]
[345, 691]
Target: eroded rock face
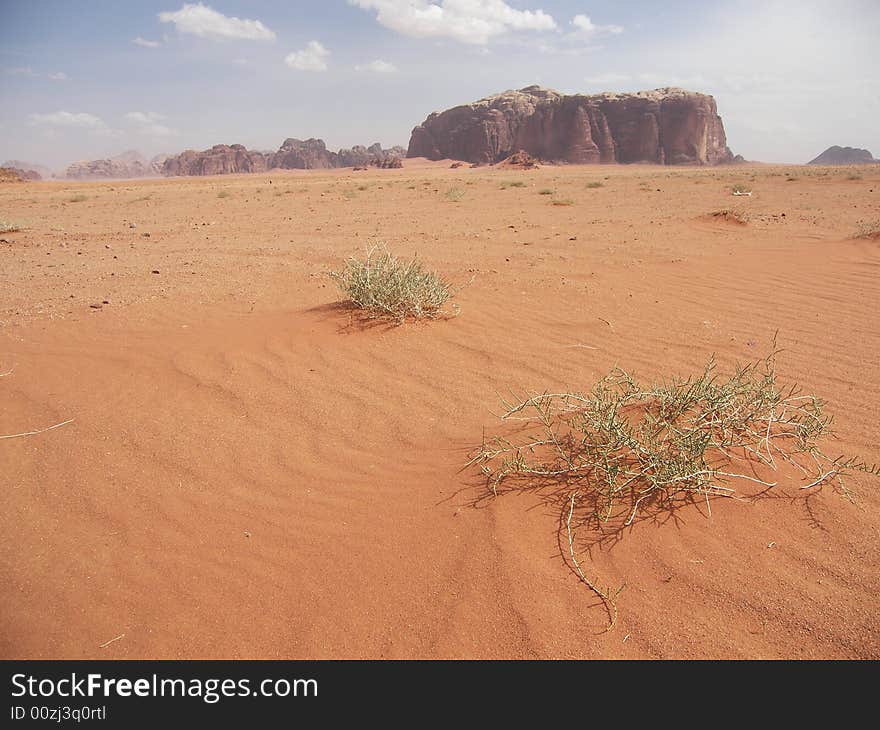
[665, 126]
[836, 155]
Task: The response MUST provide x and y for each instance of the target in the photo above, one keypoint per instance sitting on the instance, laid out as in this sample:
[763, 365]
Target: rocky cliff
[665, 126]
[844, 156]
[294, 154]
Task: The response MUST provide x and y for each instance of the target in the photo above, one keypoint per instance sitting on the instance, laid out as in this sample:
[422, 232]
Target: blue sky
[88, 79]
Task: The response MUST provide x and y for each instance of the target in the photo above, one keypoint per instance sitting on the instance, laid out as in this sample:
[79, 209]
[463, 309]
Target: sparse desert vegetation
[315, 453]
[8, 226]
[454, 195]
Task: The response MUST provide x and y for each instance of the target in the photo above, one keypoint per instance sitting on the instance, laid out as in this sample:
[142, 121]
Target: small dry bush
[223, 194]
[77, 198]
[562, 201]
[512, 184]
[734, 216]
[595, 184]
[383, 286]
[454, 195]
[870, 230]
[740, 189]
[626, 451]
[9, 226]
[545, 191]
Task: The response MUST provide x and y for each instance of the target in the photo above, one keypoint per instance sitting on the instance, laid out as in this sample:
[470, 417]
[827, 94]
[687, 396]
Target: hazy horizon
[790, 78]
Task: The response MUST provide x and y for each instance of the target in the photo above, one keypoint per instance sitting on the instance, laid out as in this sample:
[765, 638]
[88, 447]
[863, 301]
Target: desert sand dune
[251, 473]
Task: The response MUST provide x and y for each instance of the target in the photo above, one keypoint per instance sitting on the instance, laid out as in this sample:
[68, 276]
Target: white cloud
[311, 58]
[59, 76]
[56, 122]
[587, 27]
[468, 21]
[149, 123]
[378, 66]
[68, 119]
[145, 43]
[201, 20]
[19, 71]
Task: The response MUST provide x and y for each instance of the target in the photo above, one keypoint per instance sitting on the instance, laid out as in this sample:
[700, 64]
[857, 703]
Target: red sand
[249, 474]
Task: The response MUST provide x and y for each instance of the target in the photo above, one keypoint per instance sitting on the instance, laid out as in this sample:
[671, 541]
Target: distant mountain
[129, 164]
[41, 170]
[844, 156]
[294, 154]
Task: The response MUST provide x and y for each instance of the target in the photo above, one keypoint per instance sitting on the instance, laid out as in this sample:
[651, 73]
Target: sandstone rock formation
[665, 126]
[836, 155]
[294, 154]
[390, 162]
[520, 161]
[129, 164]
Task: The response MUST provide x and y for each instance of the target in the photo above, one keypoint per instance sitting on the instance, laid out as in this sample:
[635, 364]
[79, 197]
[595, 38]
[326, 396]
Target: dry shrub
[625, 452]
[383, 286]
[869, 230]
[734, 216]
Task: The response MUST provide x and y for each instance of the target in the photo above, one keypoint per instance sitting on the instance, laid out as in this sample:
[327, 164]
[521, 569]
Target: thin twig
[610, 605]
[42, 430]
[107, 643]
